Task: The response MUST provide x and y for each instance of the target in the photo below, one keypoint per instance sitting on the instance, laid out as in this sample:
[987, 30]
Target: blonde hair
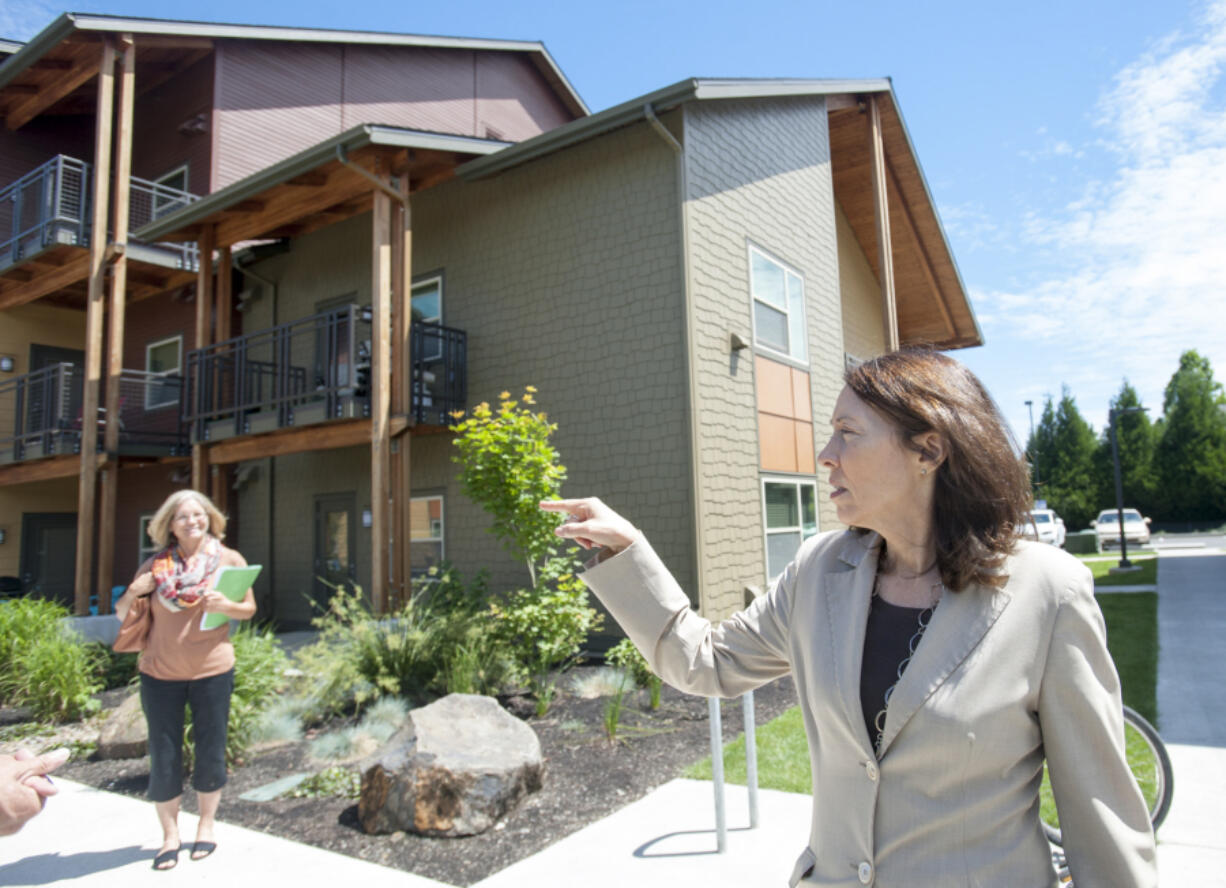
[159, 524]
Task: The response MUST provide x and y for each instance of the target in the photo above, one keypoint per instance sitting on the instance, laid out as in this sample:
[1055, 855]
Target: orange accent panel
[777, 442]
[774, 386]
[805, 462]
[802, 404]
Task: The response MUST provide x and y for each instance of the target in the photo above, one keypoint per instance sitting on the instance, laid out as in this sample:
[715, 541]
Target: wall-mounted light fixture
[736, 343]
[7, 363]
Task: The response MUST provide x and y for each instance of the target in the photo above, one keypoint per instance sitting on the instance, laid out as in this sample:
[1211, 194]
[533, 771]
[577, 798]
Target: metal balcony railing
[312, 370]
[40, 413]
[52, 205]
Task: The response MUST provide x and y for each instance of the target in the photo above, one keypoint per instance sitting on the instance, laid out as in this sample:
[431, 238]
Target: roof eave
[306, 161]
[39, 45]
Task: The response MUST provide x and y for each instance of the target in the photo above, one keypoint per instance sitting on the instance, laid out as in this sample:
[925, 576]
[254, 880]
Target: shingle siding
[757, 172]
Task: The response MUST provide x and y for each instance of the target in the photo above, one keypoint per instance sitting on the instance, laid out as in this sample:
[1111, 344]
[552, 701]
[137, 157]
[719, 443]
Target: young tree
[1191, 454]
[1064, 456]
[1136, 442]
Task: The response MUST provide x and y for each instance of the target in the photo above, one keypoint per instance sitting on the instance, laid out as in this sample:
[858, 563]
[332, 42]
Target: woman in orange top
[183, 665]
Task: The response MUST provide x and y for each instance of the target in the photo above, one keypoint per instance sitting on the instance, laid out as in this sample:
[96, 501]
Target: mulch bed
[587, 778]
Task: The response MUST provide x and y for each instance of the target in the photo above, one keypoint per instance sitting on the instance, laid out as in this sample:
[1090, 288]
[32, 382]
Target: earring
[923, 471]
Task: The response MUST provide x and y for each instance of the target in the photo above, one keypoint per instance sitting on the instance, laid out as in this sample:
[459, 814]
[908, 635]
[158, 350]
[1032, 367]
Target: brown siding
[157, 145]
[427, 89]
[142, 488]
[272, 100]
[513, 102]
[40, 140]
[155, 319]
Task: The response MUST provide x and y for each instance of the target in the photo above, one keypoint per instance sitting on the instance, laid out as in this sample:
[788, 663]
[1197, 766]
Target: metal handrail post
[751, 757]
[717, 775]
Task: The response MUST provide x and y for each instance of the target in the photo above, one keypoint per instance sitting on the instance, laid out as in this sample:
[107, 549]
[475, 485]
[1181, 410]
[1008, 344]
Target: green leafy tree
[1063, 453]
[1137, 441]
[1191, 453]
[508, 465]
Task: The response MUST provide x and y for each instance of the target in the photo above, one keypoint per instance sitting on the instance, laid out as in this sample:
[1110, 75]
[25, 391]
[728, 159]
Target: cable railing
[41, 413]
[311, 370]
[51, 206]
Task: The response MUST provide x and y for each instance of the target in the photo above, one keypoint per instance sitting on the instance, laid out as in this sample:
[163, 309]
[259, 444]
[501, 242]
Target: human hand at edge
[24, 786]
[591, 523]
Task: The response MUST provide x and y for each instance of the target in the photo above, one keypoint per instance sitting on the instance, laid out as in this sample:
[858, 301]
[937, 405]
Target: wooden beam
[380, 379]
[285, 206]
[881, 213]
[308, 180]
[51, 65]
[225, 294]
[87, 487]
[21, 113]
[326, 436]
[118, 301]
[76, 269]
[402, 390]
[204, 332]
[925, 260]
[40, 470]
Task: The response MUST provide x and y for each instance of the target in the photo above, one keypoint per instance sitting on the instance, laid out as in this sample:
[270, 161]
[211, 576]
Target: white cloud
[1140, 253]
[22, 19]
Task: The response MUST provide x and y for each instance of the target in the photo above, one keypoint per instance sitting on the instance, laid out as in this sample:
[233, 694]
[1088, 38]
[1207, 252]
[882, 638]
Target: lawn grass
[1146, 576]
[1132, 639]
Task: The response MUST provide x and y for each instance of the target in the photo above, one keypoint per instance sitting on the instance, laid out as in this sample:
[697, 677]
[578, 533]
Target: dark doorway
[49, 555]
[45, 355]
[335, 545]
[46, 403]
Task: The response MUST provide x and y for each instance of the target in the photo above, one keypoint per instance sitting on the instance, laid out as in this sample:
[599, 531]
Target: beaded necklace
[922, 620]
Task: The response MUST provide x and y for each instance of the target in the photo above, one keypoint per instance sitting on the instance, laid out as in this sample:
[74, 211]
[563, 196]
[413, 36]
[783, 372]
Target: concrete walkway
[667, 839]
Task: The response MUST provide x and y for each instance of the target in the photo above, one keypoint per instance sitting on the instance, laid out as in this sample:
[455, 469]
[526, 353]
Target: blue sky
[1076, 151]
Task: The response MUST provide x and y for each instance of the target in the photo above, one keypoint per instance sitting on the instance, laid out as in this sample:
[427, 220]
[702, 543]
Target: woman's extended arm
[686, 650]
[1106, 827]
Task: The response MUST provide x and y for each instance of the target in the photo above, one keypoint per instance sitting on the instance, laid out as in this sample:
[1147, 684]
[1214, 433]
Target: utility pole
[1125, 564]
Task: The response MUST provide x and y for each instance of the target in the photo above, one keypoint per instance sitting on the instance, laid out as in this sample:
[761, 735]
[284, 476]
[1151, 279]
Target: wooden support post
[118, 300]
[219, 486]
[225, 294]
[881, 213]
[402, 388]
[380, 401]
[87, 487]
[204, 336]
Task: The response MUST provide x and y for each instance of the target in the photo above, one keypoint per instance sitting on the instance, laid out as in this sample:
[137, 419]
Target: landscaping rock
[124, 733]
[455, 768]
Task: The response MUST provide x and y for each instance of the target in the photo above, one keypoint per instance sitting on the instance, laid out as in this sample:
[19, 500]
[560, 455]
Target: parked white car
[1107, 528]
[1045, 526]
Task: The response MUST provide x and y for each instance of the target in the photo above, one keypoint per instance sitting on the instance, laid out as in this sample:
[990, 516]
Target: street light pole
[1125, 564]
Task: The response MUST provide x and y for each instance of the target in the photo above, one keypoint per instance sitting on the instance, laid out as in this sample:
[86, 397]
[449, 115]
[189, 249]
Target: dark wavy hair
[982, 487]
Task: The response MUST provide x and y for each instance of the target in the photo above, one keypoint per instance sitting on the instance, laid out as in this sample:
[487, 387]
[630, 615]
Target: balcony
[40, 414]
[51, 207]
[313, 370]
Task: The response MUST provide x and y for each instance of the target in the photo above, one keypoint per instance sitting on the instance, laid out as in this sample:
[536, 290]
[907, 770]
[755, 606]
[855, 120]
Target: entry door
[49, 555]
[335, 544]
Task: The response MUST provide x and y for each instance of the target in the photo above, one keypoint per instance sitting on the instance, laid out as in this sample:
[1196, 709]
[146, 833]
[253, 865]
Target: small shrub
[604, 681]
[277, 724]
[630, 658]
[384, 718]
[330, 683]
[334, 745]
[613, 715]
[115, 670]
[43, 666]
[335, 781]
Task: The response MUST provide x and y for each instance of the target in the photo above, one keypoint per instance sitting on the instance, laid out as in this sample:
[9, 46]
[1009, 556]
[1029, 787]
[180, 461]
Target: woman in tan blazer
[939, 659]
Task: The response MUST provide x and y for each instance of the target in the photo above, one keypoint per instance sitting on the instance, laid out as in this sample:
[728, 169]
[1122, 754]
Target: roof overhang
[933, 305]
[319, 186]
[69, 45]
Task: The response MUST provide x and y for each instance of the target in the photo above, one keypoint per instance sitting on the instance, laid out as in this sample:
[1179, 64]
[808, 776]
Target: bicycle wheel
[1150, 764]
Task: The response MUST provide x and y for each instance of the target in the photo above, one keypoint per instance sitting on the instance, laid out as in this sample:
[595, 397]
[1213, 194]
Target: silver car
[1107, 528]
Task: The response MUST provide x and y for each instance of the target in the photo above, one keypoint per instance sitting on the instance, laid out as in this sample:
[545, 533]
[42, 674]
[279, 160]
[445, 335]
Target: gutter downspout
[691, 370]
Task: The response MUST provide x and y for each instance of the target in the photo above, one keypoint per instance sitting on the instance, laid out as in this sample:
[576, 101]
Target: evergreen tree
[1191, 454]
[1137, 441]
[1064, 457]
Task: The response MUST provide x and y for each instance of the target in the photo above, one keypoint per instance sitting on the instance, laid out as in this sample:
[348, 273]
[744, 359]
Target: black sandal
[201, 850]
[170, 855]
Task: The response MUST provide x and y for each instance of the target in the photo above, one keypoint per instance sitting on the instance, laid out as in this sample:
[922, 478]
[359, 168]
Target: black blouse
[887, 640]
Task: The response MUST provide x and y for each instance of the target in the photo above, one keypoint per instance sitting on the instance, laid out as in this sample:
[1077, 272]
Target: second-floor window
[778, 293]
[164, 358]
[428, 309]
[168, 192]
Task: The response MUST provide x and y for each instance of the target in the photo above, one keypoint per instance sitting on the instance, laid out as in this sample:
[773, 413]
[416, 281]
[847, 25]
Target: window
[790, 510]
[427, 307]
[778, 306]
[146, 548]
[168, 192]
[163, 358]
[425, 532]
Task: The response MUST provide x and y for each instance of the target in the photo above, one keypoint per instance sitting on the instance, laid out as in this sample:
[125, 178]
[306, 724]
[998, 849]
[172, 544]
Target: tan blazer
[1001, 680]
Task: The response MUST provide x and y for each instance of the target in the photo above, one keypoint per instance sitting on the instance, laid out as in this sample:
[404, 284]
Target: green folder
[232, 582]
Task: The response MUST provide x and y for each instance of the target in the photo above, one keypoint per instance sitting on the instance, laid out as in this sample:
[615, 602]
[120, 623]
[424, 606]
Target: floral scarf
[181, 583]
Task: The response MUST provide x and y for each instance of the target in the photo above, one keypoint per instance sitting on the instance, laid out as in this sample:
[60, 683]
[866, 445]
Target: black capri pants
[164, 702]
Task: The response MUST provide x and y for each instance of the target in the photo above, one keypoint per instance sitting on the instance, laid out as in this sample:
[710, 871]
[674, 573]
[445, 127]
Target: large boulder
[124, 732]
[455, 768]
